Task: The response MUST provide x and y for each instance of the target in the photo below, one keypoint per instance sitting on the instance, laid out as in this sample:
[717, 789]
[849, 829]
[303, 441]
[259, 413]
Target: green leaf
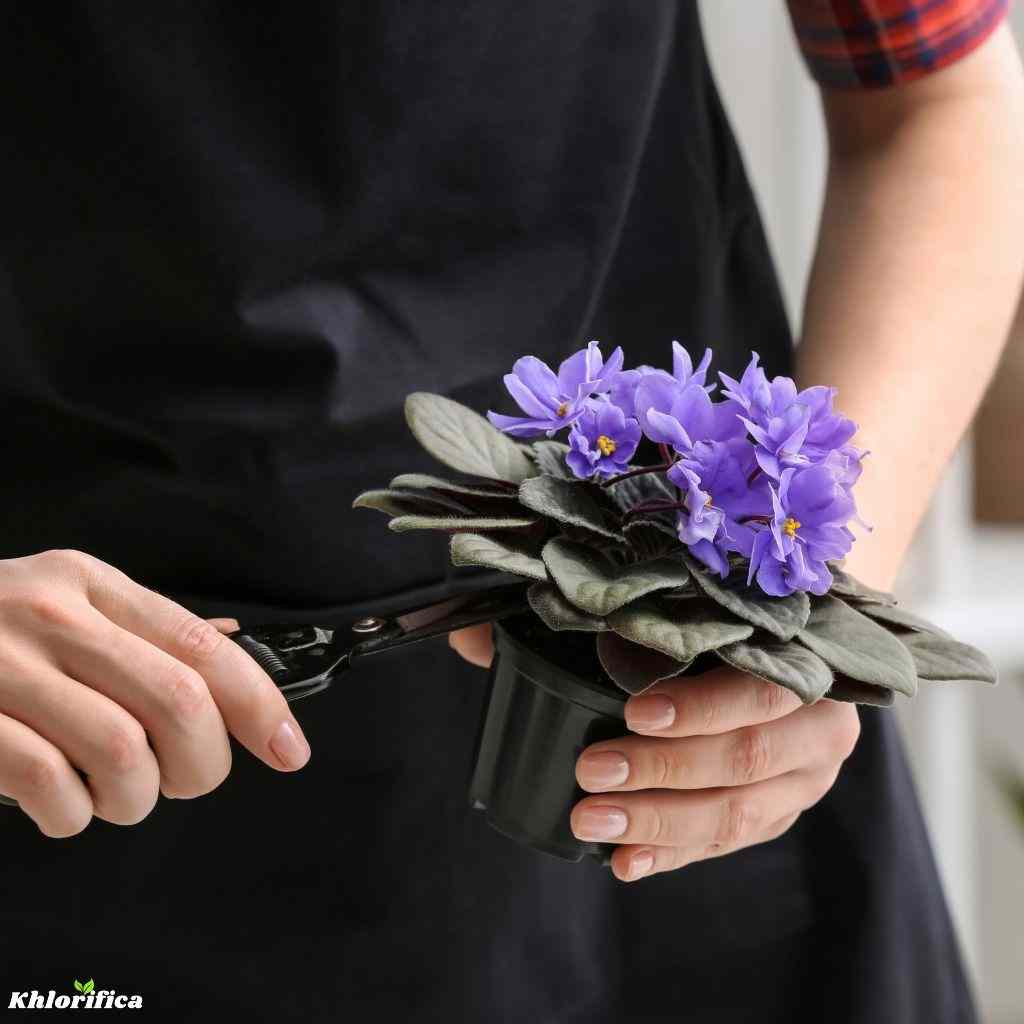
[89, 986]
[845, 585]
[893, 614]
[566, 503]
[592, 583]
[855, 646]
[650, 538]
[634, 667]
[852, 692]
[78, 985]
[425, 482]
[783, 617]
[787, 664]
[626, 494]
[397, 502]
[495, 553]
[943, 659]
[682, 631]
[456, 524]
[558, 614]
[550, 456]
[464, 440]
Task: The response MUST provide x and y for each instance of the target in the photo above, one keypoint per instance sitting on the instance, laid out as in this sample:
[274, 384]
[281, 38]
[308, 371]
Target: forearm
[916, 277]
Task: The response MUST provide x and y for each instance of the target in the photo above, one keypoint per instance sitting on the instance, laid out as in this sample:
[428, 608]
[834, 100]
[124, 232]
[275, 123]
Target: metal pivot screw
[368, 625]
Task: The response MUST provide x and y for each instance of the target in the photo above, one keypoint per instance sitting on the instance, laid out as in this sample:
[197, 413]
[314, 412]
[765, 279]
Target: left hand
[716, 763]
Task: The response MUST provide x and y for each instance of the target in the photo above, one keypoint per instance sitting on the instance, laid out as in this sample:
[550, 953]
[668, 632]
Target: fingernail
[602, 769]
[641, 864]
[290, 746]
[652, 711]
[600, 823]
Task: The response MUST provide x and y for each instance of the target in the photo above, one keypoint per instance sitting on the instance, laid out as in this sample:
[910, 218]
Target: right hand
[101, 675]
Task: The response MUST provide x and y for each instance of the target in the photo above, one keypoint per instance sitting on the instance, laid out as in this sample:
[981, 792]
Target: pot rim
[556, 680]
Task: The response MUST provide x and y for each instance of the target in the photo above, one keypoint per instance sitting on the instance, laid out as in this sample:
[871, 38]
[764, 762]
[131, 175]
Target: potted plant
[673, 531]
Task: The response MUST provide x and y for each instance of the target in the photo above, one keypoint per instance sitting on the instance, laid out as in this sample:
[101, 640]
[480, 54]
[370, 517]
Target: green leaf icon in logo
[89, 986]
[78, 986]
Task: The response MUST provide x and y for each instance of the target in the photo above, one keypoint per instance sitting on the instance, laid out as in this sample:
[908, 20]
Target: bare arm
[917, 273]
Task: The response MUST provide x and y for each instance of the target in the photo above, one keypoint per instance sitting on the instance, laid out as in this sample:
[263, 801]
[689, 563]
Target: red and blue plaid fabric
[874, 43]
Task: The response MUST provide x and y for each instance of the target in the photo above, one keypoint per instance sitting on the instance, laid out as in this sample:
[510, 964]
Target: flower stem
[636, 472]
[653, 506]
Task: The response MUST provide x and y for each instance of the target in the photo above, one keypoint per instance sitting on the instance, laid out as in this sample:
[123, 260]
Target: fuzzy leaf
[592, 583]
[396, 502]
[496, 553]
[558, 614]
[650, 538]
[893, 615]
[424, 482]
[846, 586]
[456, 524]
[634, 667]
[464, 440]
[783, 617]
[787, 664]
[852, 692]
[565, 502]
[682, 630]
[626, 494]
[855, 646]
[943, 659]
[550, 457]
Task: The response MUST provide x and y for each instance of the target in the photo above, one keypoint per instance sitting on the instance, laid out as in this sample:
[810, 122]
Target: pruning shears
[303, 660]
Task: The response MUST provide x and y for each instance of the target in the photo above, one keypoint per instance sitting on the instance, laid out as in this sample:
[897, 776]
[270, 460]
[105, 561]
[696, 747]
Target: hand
[716, 763]
[99, 674]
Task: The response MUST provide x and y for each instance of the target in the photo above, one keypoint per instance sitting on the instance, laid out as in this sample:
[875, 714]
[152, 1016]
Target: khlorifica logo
[86, 998]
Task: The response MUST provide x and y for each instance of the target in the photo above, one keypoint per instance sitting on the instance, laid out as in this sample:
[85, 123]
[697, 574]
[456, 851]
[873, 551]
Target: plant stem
[636, 472]
[653, 506]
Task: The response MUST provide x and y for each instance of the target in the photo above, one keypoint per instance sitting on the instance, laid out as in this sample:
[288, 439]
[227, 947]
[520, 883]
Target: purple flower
[792, 428]
[751, 391]
[780, 439]
[680, 416]
[826, 430]
[715, 478]
[624, 385]
[682, 366]
[806, 529]
[552, 402]
[602, 441]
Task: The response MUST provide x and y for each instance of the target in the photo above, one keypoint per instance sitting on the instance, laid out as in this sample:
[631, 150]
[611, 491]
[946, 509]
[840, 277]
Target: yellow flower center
[606, 444]
[790, 526]
[707, 504]
[562, 409]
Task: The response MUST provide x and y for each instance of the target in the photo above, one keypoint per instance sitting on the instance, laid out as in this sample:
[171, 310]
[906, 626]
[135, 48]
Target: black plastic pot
[548, 700]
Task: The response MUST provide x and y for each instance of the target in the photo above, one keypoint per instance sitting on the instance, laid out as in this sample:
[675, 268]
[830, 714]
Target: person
[235, 239]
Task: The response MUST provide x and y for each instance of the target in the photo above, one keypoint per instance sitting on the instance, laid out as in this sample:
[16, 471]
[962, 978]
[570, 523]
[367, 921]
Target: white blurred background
[957, 736]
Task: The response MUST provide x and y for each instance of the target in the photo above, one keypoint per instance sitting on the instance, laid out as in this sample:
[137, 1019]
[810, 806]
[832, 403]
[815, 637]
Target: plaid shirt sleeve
[865, 44]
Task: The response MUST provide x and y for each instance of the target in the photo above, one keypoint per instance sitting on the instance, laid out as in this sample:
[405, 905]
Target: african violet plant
[728, 544]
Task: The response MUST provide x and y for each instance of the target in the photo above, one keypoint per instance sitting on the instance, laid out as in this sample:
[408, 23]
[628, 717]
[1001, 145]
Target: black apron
[233, 240]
